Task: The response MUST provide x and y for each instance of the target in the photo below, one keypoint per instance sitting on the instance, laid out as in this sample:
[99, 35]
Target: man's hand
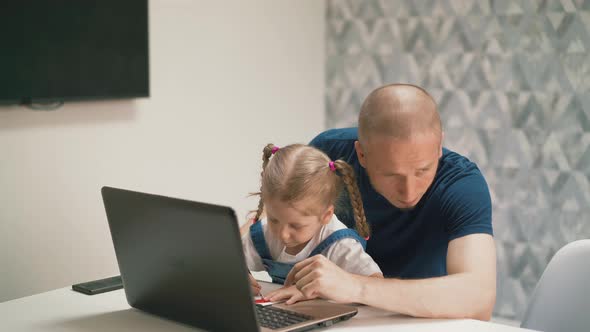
[291, 293]
[319, 277]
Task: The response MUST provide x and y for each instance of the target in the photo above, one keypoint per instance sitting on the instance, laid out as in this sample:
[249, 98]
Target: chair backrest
[561, 300]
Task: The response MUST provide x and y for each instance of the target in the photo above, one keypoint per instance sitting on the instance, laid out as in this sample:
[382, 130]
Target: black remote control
[99, 286]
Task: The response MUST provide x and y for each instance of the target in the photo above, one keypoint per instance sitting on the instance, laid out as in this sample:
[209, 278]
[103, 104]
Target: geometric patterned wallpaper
[512, 82]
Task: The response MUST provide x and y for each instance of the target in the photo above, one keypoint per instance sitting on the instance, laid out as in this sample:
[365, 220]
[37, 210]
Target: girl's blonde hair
[298, 172]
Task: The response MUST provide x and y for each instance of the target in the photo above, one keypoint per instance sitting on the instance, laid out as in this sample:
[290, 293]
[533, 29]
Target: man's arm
[468, 291]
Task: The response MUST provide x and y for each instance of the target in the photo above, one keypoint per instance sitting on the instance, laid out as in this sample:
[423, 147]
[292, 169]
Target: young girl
[300, 185]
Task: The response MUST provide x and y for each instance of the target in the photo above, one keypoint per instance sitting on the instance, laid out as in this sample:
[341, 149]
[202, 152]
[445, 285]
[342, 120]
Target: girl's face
[293, 223]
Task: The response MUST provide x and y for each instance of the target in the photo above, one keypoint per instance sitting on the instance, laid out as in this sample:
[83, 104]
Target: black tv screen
[59, 50]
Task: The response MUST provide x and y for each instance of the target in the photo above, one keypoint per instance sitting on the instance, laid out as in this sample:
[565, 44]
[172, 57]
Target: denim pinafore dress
[278, 271]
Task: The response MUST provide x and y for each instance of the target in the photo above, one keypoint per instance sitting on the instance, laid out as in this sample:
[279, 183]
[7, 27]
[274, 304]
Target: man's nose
[407, 189]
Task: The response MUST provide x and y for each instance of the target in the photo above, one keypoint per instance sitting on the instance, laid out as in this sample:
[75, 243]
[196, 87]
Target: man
[429, 210]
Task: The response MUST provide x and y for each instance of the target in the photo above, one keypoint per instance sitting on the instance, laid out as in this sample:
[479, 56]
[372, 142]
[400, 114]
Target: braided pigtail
[349, 179]
[267, 152]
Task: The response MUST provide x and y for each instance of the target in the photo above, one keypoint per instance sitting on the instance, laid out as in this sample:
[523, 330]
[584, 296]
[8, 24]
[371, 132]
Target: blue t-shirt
[413, 243]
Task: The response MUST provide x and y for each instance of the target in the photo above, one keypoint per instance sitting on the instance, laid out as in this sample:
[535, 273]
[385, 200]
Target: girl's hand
[317, 276]
[254, 285]
[290, 293]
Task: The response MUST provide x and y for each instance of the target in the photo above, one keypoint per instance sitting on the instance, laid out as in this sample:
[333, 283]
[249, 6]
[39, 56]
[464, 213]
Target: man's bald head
[400, 111]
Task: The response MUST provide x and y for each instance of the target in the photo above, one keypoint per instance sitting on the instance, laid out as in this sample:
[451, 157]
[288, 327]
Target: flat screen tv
[61, 50]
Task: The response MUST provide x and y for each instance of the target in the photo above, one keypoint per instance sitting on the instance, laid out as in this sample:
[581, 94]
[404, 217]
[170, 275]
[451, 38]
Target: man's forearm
[461, 295]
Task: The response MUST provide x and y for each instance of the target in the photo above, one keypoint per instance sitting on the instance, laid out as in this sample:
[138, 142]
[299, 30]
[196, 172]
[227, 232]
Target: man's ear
[360, 154]
[327, 215]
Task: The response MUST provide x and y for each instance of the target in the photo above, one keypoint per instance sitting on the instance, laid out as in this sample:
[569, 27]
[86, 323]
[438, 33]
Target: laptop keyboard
[275, 318]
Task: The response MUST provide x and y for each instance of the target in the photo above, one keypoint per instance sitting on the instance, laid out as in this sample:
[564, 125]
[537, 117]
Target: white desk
[65, 310]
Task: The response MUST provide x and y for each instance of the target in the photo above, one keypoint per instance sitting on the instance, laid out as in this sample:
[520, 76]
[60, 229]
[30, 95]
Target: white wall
[227, 77]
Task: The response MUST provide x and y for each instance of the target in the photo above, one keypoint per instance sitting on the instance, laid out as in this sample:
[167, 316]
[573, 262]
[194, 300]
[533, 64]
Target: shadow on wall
[16, 117]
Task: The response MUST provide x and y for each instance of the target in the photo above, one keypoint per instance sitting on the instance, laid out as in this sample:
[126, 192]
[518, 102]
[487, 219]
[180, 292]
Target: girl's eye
[297, 226]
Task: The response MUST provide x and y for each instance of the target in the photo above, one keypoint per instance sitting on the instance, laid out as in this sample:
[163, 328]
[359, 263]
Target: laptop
[183, 260]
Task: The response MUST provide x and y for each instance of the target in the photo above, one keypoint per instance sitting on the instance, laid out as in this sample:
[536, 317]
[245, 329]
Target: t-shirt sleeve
[336, 143]
[467, 207]
[253, 260]
[318, 142]
[349, 255]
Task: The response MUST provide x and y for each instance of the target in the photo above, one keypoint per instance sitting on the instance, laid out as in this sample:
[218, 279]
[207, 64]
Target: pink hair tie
[332, 166]
[274, 149]
[367, 238]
